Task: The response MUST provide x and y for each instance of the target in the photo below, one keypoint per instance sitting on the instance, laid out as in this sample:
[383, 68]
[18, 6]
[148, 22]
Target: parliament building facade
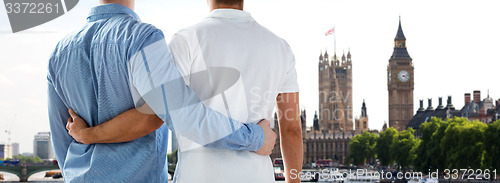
[333, 126]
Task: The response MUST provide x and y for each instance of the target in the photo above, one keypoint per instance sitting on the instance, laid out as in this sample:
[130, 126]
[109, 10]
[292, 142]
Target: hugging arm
[156, 81]
[128, 126]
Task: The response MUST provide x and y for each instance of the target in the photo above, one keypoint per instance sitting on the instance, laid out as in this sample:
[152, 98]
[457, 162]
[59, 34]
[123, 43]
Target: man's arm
[129, 125]
[155, 77]
[136, 123]
[290, 134]
[58, 115]
[158, 83]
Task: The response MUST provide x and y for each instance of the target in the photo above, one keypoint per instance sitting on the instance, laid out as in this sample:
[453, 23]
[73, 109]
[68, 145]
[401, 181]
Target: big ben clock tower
[400, 83]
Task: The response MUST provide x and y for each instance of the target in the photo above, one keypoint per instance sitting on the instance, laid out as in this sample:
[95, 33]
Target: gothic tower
[335, 93]
[400, 83]
[362, 121]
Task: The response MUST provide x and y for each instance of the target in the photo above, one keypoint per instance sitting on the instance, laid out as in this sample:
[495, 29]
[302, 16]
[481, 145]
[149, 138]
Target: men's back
[240, 67]
[88, 72]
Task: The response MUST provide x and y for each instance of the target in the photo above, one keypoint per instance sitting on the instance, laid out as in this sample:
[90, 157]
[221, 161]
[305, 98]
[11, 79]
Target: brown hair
[229, 2]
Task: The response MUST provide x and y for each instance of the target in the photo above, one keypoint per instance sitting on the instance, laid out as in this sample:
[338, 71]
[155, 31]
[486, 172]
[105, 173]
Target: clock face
[403, 76]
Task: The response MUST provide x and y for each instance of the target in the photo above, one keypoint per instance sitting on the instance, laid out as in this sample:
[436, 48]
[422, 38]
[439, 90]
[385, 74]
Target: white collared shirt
[237, 67]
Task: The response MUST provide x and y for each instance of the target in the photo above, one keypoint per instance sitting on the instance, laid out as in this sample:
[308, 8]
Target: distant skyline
[453, 45]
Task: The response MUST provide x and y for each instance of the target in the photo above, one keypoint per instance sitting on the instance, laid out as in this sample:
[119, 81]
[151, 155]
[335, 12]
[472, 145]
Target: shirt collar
[232, 14]
[110, 10]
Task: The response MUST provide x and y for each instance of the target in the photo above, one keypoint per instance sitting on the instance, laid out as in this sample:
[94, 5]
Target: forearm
[125, 127]
[205, 126]
[292, 152]
[240, 140]
[291, 134]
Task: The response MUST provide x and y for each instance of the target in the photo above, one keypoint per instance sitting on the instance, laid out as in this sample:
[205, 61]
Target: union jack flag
[330, 32]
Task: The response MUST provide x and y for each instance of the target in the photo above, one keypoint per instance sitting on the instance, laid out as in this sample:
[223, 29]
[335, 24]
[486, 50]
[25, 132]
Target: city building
[400, 83]
[486, 110]
[481, 110]
[335, 93]
[497, 117]
[384, 127]
[333, 127]
[318, 144]
[5, 151]
[42, 146]
[425, 114]
[15, 149]
[325, 145]
[2, 151]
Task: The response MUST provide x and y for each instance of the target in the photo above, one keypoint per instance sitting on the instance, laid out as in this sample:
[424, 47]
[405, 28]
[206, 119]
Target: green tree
[362, 148]
[492, 145]
[383, 146]
[403, 147]
[172, 157]
[436, 153]
[463, 143]
[426, 153]
[28, 159]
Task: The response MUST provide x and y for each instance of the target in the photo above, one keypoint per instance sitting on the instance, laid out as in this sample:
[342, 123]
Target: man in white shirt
[230, 52]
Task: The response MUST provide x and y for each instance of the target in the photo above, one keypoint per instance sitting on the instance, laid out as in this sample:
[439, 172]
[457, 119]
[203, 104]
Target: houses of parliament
[333, 126]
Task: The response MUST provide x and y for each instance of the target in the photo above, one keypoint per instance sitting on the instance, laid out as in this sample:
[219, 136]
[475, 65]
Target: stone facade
[335, 93]
[400, 83]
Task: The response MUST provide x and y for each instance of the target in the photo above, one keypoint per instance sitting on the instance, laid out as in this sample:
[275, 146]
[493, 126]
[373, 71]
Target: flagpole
[334, 38]
[334, 41]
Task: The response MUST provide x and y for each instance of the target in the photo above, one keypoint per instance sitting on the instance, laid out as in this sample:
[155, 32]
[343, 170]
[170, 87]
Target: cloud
[33, 103]
[4, 104]
[26, 69]
[6, 81]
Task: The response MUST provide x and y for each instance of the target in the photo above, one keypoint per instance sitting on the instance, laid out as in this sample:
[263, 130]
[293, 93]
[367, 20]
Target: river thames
[39, 178]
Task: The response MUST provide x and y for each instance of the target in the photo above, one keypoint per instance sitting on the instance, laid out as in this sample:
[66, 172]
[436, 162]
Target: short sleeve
[289, 83]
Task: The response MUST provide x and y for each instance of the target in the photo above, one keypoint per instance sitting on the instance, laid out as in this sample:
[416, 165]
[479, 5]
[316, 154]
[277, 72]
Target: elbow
[292, 131]
[150, 124]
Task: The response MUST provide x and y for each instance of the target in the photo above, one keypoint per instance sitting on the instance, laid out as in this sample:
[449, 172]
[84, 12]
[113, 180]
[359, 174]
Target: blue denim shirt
[115, 63]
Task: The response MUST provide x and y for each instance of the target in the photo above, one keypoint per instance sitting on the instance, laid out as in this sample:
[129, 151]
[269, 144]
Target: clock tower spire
[400, 83]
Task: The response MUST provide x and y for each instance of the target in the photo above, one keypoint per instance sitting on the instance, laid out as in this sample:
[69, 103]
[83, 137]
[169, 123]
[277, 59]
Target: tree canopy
[362, 148]
[383, 147]
[454, 143]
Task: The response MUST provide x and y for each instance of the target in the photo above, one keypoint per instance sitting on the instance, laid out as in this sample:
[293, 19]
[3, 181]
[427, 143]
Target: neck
[128, 3]
[223, 6]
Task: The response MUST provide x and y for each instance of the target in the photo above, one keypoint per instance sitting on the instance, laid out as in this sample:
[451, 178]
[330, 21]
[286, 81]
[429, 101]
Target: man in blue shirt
[115, 64]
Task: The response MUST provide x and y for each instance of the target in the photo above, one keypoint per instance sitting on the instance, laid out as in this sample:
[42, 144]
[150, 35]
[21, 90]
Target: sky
[454, 46]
